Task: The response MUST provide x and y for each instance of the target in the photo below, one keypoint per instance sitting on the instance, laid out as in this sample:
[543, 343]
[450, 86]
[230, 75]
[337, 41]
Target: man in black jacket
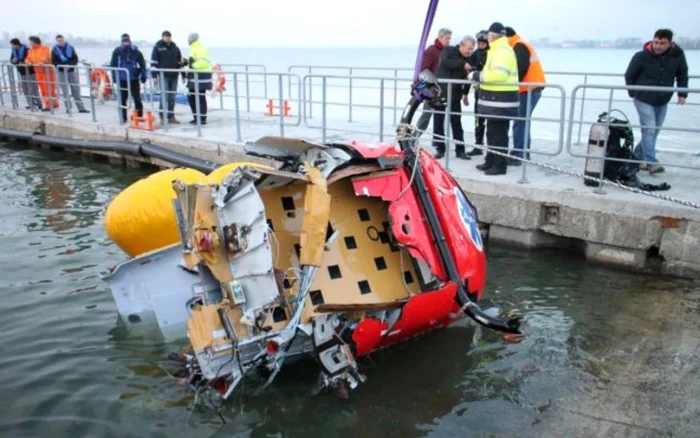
[453, 65]
[166, 55]
[130, 73]
[659, 64]
[62, 56]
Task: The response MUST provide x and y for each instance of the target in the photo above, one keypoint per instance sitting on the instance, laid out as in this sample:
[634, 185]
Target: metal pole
[66, 92]
[599, 190]
[221, 93]
[526, 134]
[350, 91]
[281, 102]
[50, 98]
[583, 103]
[311, 94]
[14, 95]
[448, 110]
[396, 92]
[198, 109]
[164, 100]
[247, 89]
[238, 110]
[92, 98]
[381, 110]
[323, 109]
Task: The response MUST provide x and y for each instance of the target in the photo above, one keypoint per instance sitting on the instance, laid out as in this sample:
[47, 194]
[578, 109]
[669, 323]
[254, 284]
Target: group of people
[37, 79]
[510, 80]
[497, 60]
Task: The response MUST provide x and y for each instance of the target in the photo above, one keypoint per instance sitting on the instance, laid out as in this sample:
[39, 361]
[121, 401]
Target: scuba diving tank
[597, 146]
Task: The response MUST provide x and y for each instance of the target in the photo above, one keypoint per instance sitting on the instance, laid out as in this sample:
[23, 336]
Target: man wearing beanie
[478, 60]
[131, 74]
[498, 97]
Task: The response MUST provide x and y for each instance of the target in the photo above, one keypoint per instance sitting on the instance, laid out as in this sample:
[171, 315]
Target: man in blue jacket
[660, 64]
[129, 59]
[62, 56]
[27, 80]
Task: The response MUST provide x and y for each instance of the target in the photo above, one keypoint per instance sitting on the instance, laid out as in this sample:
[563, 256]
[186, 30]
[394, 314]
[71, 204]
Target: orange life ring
[220, 84]
[101, 85]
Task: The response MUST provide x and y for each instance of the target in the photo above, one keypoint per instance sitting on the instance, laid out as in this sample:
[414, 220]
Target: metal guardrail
[362, 99]
[612, 89]
[234, 94]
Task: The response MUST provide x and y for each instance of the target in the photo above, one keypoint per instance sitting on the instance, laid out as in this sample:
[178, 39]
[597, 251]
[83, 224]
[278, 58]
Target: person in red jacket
[431, 59]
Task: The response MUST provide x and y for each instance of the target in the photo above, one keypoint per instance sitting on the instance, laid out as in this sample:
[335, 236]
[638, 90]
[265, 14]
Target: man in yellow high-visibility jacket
[498, 97]
[199, 78]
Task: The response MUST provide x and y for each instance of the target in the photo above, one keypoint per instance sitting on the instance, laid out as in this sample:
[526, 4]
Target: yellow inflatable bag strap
[141, 218]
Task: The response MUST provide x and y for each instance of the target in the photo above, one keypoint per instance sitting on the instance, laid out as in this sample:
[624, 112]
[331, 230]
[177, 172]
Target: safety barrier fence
[401, 74]
[374, 100]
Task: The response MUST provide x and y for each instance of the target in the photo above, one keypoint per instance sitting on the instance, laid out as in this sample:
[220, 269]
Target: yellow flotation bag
[141, 218]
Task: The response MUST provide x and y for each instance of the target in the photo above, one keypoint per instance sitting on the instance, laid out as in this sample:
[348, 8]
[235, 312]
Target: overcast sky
[342, 23]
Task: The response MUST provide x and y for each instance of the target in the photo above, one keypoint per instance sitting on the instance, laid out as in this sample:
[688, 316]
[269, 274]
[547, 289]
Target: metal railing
[371, 99]
[234, 93]
[612, 89]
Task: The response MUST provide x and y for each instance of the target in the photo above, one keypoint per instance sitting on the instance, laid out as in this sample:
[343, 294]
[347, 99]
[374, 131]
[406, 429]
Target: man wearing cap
[498, 97]
[529, 71]
[199, 79]
[166, 55]
[132, 68]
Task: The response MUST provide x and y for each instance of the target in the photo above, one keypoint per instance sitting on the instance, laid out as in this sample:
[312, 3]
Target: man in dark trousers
[498, 98]
[128, 58]
[166, 55]
[27, 80]
[63, 55]
[478, 60]
[431, 59]
[660, 64]
[453, 65]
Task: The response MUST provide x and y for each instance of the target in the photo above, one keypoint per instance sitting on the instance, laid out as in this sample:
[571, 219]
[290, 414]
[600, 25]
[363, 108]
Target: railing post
[526, 143]
[311, 94]
[599, 189]
[381, 110]
[323, 109]
[350, 96]
[280, 86]
[247, 89]
[164, 100]
[396, 91]
[238, 111]
[65, 90]
[49, 83]
[446, 140]
[198, 109]
[583, 103]
[14, 95]
[92, 97]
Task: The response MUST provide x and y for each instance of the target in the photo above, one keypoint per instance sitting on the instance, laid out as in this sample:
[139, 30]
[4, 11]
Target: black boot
[439, 154]
[463, 155]
[474, 152]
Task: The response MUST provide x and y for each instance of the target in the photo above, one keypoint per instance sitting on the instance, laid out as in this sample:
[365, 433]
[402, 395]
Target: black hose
[151, 150]
[120, 147]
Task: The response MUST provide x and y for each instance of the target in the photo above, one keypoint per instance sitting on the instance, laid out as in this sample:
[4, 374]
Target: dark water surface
[609, 353]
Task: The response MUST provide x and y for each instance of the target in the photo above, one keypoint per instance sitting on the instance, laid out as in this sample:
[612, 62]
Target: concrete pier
[551, 209]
